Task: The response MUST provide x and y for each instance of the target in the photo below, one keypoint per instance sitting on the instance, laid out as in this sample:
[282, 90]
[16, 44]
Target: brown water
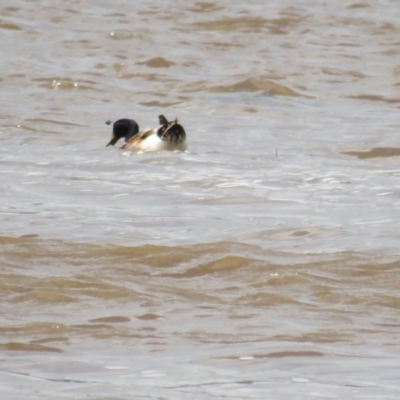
[262, 263]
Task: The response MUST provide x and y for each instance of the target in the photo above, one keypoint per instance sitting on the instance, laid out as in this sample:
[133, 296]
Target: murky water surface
[262, 263]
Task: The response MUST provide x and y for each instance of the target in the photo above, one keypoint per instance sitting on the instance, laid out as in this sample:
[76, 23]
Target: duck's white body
[148, 140]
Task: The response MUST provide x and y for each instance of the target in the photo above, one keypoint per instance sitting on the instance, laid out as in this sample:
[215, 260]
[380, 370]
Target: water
[262, 263]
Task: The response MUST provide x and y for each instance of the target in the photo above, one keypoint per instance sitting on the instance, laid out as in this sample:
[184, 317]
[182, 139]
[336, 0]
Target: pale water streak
[262, 263]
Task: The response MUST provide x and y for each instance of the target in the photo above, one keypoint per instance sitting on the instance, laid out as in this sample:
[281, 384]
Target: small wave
[65, 84]
[157, 62]
[44, 296]
[374, 97]
[16, 346]
[110, 320]
[205, 6]
[249, 24]
[266, 300]
[256, 85]
[9, 26]
[50, 121]
[376, 152]
[293, 353]
[156, 103]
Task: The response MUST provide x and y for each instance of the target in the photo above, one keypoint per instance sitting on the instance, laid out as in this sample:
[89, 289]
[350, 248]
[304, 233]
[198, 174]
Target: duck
[170, 135]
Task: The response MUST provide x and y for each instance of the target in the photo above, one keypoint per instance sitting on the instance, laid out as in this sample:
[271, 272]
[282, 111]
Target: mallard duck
[168, 136]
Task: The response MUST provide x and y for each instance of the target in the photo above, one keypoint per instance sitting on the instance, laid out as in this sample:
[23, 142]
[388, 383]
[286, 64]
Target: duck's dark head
[123, 129]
